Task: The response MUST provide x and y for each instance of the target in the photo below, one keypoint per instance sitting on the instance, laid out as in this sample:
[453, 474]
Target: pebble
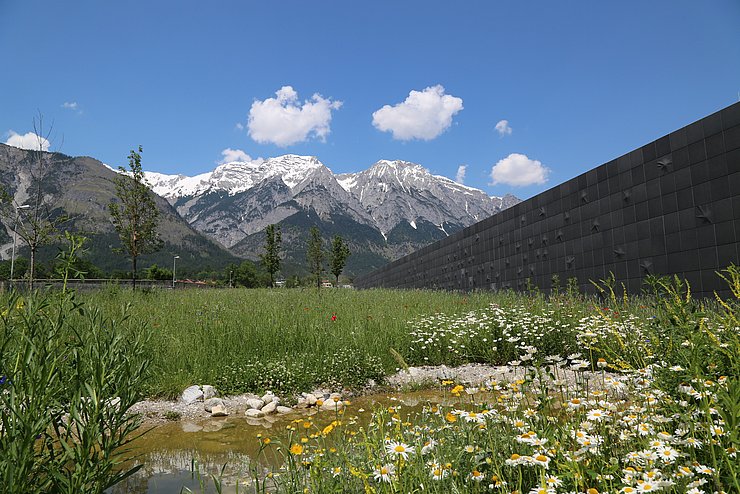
[219, 411]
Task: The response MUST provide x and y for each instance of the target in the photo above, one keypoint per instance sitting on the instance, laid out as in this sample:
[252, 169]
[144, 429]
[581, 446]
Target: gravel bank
[159, 411]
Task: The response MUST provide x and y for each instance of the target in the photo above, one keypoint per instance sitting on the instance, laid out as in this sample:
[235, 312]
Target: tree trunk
[133, 273]
[32, 267]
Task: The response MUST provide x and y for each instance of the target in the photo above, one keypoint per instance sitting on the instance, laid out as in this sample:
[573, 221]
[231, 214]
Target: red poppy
[334, 316]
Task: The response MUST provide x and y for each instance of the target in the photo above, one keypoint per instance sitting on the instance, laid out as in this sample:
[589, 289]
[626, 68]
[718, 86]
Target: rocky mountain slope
[82, 187]
[386, 211]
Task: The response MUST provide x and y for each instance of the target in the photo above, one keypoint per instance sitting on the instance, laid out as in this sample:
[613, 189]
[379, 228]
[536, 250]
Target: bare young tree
[31, 210]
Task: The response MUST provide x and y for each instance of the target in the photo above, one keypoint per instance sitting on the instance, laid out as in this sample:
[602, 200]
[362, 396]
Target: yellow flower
[328, 429]
[451, 417]
[266, 441]
[296, 449]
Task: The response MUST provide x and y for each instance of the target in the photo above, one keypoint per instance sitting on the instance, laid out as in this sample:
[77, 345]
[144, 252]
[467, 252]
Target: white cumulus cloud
[460, 176]
[70, 105]
[518, 170]
[503, 129]
[423, 115]
[284, 120]
[27, 141]
[229, 155]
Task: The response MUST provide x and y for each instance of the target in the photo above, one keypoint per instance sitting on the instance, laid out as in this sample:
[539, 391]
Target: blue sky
[578, 82]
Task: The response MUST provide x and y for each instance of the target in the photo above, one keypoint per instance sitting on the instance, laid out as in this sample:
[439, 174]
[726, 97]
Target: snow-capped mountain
[396, 191]
[388, 210]
[235, 177]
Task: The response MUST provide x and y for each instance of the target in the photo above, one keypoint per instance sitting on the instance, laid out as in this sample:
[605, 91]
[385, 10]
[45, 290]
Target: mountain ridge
[368, 190]
[387, 211]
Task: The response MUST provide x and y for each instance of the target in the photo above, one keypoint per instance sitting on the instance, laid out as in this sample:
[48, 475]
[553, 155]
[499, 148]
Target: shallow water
[186, 454]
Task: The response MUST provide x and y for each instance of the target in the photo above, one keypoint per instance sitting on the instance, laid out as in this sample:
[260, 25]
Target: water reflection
[187, 454]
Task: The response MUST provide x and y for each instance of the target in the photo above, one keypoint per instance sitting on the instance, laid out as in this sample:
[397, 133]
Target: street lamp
[15, 235]
[174, 266]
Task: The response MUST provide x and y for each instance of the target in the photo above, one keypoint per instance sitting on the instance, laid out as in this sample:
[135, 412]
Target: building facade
[669, 207]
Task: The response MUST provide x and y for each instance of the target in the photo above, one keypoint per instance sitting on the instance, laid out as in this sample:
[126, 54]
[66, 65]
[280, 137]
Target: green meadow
[663, 416]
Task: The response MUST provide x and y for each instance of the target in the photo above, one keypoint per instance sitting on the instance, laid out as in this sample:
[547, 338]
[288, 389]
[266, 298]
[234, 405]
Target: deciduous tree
[315, 255]
[135, 215]
[339, 254]
[271, 257]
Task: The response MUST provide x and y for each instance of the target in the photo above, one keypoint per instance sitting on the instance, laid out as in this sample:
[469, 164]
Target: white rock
[284, 410]
[270, 407]
[191, 395]
[255, 403]
[219, 411]
[310, 399]
[114, 402]
[208, 391]
[268, 397]
[210, 403]
[332, 405]
[254, 413]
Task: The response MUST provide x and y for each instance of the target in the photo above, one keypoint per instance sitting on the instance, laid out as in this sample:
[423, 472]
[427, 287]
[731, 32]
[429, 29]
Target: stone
[268, 397]
[212, 402]
[219, 411]
[253, 413]
[310, 399]
[114, 402]
[283, 410]
[255, 403]
[208, 391]
[270, 407]
[191, 395]
[332, 405]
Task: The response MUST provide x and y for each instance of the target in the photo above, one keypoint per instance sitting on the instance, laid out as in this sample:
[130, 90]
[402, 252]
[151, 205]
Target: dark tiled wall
[669, 207]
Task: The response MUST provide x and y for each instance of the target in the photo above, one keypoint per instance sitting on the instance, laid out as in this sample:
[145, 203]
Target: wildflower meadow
[612, 394]
[627, 396]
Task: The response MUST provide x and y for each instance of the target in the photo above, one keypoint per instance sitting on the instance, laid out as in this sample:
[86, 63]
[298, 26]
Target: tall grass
[287, 340]
[661, 414]
[68, 376]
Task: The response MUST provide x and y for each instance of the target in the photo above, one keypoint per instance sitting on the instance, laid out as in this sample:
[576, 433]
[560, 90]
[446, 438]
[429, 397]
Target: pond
[186, 454]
